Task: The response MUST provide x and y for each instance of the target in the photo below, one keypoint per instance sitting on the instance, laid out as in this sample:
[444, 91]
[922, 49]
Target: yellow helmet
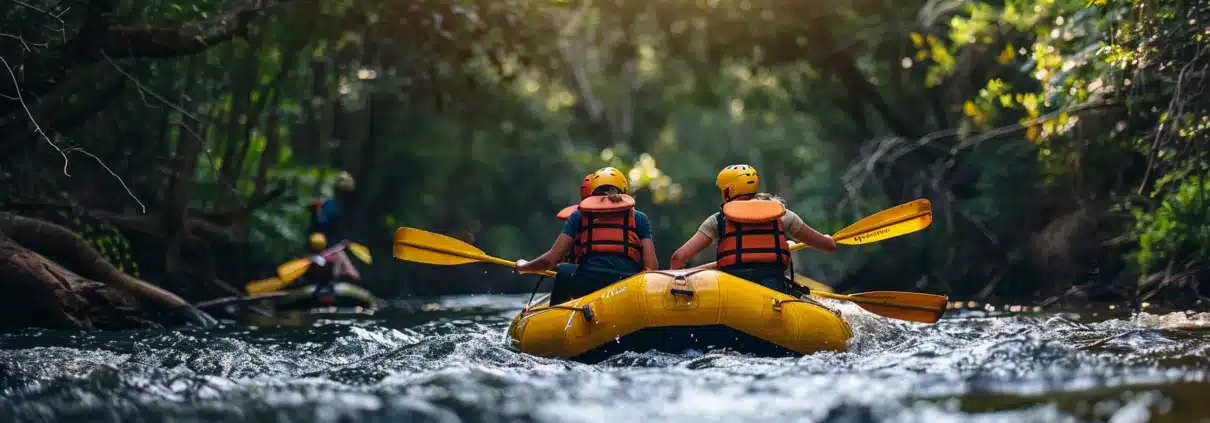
[344, 181]
[737, 180]
[608, 176]
[318, 241]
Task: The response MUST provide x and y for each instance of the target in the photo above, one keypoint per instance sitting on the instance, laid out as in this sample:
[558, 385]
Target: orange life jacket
[751, 233]
[608, 228]
[567, 211]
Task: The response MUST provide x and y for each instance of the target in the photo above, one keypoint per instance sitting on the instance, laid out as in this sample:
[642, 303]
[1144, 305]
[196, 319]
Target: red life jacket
[751, 233]
[608, 228]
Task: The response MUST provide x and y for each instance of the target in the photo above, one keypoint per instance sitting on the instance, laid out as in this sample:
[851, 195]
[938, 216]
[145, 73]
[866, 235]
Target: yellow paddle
[294, 269]
[442, 250]
[910, 306]
[270, 284]
[431, 248]
[899, 220]
[896, 221]
[811, 283]
[421, 246]
[361, 252]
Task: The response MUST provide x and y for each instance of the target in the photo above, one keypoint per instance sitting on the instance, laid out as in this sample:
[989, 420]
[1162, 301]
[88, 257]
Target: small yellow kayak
[676, 311]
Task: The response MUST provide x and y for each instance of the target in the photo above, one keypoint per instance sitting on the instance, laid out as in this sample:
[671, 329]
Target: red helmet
[586, 187]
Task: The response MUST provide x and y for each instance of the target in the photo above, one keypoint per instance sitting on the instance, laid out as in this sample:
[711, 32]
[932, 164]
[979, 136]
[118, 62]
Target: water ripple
[445, 361]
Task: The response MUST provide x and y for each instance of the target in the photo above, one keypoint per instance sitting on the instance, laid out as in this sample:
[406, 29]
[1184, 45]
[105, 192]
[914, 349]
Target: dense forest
[1061, 142]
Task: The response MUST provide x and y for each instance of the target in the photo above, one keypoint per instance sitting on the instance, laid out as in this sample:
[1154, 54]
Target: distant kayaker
[754, 226]
[329, 268]
[327, 214]
[610, 238]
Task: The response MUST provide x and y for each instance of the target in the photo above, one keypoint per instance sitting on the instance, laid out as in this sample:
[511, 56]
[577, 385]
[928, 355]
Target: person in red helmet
[585, 192]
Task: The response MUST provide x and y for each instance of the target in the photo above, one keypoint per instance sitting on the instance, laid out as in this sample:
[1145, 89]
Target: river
[445, 360]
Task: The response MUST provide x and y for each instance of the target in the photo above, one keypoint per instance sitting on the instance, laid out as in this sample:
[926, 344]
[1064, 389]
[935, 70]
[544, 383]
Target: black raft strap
[739, 242]
[630, 227]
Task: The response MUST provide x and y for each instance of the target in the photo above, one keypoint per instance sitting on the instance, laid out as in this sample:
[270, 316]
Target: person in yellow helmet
[327, 268]
[611, 240]
[751, 232]
[316, 242]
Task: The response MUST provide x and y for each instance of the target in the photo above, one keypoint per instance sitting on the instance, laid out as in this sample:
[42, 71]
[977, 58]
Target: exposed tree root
[49, 295]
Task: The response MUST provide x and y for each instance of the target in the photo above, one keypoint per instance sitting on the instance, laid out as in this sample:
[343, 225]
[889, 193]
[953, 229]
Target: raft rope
[777, 303]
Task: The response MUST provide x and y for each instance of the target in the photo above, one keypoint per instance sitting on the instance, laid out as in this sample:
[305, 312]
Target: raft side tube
[669, 310]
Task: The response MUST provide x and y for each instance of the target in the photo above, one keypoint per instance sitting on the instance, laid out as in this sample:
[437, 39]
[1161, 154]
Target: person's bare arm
[698, 242]
[808, 235]
[550, 258]
[346, 267]
[650, 260]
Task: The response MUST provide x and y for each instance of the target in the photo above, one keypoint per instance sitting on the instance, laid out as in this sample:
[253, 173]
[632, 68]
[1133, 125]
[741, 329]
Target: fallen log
[88, 293]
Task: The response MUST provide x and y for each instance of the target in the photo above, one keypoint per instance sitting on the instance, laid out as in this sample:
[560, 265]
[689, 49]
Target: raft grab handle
[585, 310]
[680, 286]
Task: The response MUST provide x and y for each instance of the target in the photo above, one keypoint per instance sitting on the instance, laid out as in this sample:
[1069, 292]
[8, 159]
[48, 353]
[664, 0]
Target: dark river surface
[444, 360]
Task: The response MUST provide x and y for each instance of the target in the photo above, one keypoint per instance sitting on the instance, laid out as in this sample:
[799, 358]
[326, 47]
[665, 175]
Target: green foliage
[482, 116]
[1176, 230]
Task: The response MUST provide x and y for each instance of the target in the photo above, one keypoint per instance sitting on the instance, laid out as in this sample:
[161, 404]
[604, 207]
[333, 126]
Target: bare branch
[143, 89]
[890, 150]
[37, 129]
[107, 169]
[62, 152]
[57, 17]
[24, 44]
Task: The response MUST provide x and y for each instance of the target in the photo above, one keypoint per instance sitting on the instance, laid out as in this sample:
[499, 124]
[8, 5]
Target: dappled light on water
[445, 360]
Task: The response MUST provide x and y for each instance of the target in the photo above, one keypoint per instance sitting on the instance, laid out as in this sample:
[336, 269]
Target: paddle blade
[361, 252]
[896, 221]
[567, 211]
[813, 284]
[910, 306]
[293, 269]
[266, 285]
[426, 247]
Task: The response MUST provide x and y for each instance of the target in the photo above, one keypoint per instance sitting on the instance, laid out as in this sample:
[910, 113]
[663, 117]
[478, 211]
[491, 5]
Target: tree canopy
[1060, 141]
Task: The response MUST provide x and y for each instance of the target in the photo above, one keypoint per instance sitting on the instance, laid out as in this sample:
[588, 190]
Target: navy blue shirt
[324, 220]
[610, 264]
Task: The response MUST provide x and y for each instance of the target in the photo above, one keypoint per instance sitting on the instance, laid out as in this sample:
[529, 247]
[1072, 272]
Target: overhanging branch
[160, 42]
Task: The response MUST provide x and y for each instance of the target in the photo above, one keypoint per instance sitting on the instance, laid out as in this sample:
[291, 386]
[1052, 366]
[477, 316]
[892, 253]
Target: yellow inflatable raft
[676, 311]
